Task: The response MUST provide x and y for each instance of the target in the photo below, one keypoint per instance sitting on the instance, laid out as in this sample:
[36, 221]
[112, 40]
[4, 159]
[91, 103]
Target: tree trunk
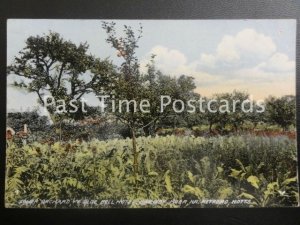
[235, 128]
[135, 153]
[210, 126]
[147, 131]
[60, 131]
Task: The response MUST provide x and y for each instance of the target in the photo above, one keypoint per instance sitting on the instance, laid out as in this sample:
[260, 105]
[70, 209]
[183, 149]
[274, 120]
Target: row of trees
[280, 111]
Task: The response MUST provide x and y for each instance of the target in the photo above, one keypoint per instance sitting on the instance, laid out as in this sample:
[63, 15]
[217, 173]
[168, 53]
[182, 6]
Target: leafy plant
[255, 187]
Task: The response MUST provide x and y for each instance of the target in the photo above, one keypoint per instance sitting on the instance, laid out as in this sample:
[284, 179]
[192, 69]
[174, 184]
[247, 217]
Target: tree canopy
[50, 65]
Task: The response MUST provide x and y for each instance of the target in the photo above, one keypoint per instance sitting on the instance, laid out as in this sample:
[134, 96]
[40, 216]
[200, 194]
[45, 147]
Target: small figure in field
[9, 135]
[24, 134]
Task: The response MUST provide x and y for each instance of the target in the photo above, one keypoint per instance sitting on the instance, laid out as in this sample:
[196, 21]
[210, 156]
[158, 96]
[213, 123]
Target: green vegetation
[259, 169]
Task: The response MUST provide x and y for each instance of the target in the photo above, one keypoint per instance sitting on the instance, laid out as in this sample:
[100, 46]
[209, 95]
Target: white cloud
[278, 62]
[248, 41]
[167, 60]
[227, 50]
[208, 60]
[248, 56]
[247, 47]
[174, 62]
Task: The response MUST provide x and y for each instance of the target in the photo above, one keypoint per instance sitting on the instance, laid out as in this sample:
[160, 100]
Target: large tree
[129, 83]
[50, 65]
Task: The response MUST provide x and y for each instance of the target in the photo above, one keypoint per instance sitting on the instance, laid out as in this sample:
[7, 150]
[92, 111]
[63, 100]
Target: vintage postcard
[151, 114]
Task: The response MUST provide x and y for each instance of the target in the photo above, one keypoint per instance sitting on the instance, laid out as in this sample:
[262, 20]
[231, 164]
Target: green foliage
[261, 191]
[281, 111]
[259, 169]
[16, 120]
[48, 65]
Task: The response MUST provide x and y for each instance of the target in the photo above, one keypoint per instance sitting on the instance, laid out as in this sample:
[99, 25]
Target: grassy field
[187, 171]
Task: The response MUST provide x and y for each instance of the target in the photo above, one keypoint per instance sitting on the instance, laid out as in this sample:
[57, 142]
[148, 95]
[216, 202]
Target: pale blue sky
[222, 55]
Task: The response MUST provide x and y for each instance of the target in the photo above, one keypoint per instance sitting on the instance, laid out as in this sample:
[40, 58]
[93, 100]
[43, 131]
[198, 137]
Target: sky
[256, 56]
